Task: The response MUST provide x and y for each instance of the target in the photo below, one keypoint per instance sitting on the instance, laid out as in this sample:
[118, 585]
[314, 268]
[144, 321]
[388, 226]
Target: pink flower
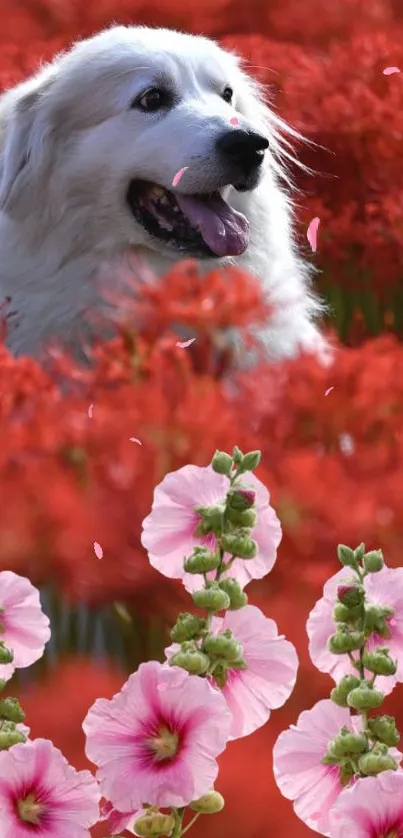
[169, 531]
[271, 672]
[383, 588]
[372, 808]
[42, 795]
[119, 821]
[158, 739]
[24, 628]
[298, 770]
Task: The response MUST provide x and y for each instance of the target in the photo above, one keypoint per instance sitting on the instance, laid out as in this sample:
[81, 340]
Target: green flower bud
[340, 692]
[209, 804]
[375, 619]
[154, 824]
[351, 594]
[250, 461]
[373, 561]
[220, 674]
[343, 614]
[347, 743]
[365, 697]
[238, 599]
[202, 560]
[189, 657]
[222, 463]
[241, 499]
[345, 640]
[222, 645]
[247, 518]
[383, 728]
[379, 662]
[359, 552]
[346, 556]
[11, 710]
[239, 544]
[212, 598]
[9, 736]
[211, 520]
[237, 455]
[2, 684]
[373, 763]
[346, 772]
[187, 627]
[6, 655]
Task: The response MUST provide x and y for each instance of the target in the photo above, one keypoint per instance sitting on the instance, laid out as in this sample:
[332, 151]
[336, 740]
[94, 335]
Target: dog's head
[93, 143]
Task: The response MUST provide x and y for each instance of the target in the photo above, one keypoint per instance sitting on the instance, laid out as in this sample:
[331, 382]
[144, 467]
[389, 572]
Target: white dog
[89, 149]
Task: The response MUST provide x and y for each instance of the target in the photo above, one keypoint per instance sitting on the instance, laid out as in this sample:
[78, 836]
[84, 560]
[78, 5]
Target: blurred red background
[332, 463]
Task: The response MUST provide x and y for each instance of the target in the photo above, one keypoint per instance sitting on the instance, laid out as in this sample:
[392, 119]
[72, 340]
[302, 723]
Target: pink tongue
[224, 230]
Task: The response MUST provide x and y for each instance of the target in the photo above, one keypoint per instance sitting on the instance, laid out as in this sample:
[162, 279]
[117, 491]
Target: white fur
[69, 146]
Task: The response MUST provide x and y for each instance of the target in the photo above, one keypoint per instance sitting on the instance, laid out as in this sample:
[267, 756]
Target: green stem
[194, 819]
[178, 815]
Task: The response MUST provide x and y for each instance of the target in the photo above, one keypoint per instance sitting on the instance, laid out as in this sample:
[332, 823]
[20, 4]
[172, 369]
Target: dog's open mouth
[204, 225]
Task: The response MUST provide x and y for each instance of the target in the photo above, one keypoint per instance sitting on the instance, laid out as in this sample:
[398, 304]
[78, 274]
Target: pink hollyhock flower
[24, 628]
[269, 679]
[371, 808]
[169, 531]
[298, 770]
[383, 588]
[158, 739]
[119, 821]
[42, 795]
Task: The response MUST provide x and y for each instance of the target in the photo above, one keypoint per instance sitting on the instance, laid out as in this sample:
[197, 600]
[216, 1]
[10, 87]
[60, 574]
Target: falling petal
[388, 71]
[179, 175]
[98, 550]
[134, 439]
[329, 390]
[234, 120]
[313, 232]
[90, 410]
[183, 344]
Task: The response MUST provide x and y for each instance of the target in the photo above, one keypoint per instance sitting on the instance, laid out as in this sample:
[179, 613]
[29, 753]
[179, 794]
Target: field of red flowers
[71, 473]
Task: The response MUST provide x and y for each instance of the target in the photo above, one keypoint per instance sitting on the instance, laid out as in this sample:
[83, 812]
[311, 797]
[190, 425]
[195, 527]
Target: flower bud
[189, 657]
[379, 662]
[345, 640]
[383, 728]
[241, 499]
[209, 804]
[237, 455]
[359, 552]
[11, 710]
[351, 594]
[239, 544]
[340, 692]
[238, 598]
[346, 556]
[187, 627]
[250, 461]
[154, 824]
[221, 463]
[220, 674]
[247, 518]
[222, 645]
[212, 598]
[346, 772]
[202, 560]
[373, 561]
[6, 655]
[375, 619]
[211, 520]
[373, 763]
[9, 736]
[343, 614]
[347, 743]
[365, 697]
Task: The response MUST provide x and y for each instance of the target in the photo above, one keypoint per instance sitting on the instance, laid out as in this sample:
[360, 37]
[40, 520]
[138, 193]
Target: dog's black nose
[244, 148]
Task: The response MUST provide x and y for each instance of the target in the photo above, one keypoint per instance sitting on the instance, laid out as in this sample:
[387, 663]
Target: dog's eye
[228, 94]
[152, 100]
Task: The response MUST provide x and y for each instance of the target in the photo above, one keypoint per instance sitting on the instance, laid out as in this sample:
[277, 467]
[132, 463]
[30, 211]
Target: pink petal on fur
[178, 175]
[183, 344]
[312, 233]
[329, 390]
[234, 120]
[389, 71]
[98, 550]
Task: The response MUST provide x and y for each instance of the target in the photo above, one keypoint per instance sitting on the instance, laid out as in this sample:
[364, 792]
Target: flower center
[30, 810]
[164, 745]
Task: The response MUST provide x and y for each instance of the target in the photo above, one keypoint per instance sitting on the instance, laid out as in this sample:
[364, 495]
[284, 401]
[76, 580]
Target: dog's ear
[23, 156]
